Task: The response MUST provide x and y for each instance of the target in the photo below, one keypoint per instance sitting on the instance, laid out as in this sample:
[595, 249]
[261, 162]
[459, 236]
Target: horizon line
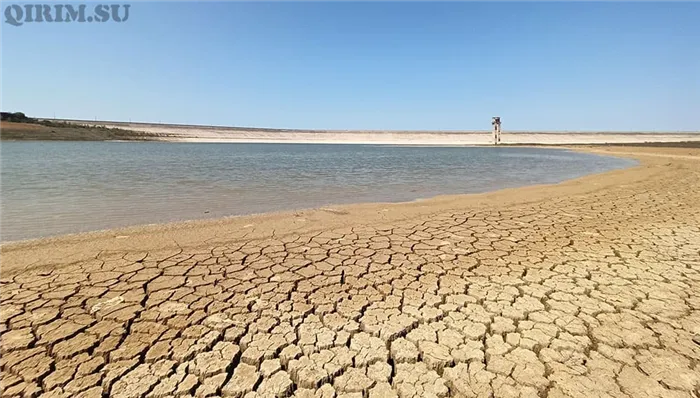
[284, 129]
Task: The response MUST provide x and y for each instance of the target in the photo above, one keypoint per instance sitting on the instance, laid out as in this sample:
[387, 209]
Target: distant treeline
[16, 117]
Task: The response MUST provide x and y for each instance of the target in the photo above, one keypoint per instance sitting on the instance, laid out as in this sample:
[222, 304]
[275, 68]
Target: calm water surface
[51, 188]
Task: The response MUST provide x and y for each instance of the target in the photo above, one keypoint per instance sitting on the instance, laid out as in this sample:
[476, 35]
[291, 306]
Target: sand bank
[588, 287]
[183, 133]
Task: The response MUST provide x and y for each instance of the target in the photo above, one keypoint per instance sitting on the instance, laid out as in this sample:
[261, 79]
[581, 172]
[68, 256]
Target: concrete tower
[496, 122]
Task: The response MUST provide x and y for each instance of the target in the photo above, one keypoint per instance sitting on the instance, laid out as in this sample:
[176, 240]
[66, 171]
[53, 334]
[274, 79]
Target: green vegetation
[16, 117]
[18, 126]
[19, 117]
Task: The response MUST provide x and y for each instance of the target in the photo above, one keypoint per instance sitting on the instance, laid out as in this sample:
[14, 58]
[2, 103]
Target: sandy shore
[188, 133]
[586, 288]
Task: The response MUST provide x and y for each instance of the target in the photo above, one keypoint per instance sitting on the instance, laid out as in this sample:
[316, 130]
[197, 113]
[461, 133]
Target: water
[51, 188]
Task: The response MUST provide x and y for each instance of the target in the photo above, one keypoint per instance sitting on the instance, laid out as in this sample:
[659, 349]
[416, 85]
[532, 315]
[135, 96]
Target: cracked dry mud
[588, 295]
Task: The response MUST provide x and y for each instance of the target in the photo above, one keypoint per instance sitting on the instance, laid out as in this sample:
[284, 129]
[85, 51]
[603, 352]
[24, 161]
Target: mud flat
[590, 287]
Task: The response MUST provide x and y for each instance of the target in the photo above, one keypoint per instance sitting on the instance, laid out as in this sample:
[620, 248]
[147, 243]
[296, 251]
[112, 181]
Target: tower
[496, 122]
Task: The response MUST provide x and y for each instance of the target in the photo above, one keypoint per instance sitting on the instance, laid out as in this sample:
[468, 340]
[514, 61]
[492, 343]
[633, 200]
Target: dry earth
[590, 288]
[10, 131]
[20, 126]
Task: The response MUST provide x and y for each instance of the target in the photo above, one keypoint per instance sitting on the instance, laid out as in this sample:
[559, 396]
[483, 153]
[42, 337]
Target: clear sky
[367, 65]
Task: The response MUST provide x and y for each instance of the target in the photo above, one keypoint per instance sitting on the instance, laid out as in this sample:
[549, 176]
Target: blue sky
[367, 65]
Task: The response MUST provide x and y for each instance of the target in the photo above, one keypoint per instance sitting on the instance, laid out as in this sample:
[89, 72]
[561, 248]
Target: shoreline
[418, 138]
[17, 255]
[82, 130]
[232, 134]
[327, 207]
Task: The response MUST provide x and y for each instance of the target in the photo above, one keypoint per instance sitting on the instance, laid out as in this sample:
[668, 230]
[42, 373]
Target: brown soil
[10, 131]
[587, 288]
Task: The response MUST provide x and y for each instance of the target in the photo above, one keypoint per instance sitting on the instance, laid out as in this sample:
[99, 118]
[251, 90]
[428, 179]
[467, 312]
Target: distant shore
[12, 131]
[81, 130]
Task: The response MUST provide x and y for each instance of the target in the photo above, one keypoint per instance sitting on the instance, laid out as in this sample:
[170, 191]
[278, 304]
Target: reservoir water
[52, 188]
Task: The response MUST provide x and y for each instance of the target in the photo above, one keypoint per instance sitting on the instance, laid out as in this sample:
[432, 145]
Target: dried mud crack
[590, 295]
